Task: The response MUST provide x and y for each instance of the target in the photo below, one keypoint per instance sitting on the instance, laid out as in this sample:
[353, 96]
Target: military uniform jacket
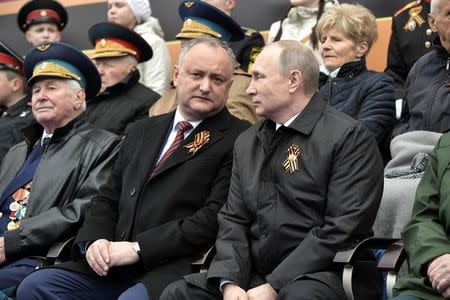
[411, 38]
[76, 163]
[12, 120]
[247, 49]
[426, 235]
[289, 211]
[173, 215]
[426, 105]
[120, 105]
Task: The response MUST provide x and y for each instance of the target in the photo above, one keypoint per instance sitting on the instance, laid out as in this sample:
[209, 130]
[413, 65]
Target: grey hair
[211, 42]
[434, 6]
[131, 60]
[296, 56]
[75, 86]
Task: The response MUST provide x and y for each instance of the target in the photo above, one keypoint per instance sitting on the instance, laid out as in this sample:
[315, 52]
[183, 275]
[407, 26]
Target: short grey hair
[434, 6]
[211, 42]
[296, 56]
[75, 86]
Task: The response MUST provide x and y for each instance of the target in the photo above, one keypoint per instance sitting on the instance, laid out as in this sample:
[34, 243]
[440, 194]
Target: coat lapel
[153, 138]
[214, 125]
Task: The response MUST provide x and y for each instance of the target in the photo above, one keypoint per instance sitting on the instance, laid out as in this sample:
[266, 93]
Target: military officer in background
[122, 99]
[200, 19]
[42, 21]
[411, 38]
[15, 113]
[247, 49]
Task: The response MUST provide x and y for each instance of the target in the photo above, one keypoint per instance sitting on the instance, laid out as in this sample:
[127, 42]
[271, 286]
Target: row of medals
[18, 207]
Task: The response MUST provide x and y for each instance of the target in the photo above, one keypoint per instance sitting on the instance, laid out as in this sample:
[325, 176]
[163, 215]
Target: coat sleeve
[233, 260]
[186, 236]
[425, 237]
[41, 231]
[377, 110]
[354, 193]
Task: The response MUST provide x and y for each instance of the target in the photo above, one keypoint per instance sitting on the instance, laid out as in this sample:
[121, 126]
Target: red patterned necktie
[181, 127]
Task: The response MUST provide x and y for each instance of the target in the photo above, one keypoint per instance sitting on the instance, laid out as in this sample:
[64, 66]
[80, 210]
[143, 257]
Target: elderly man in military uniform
[201, 19]
[426, 104]
[48, 180]
[411, 38]
[42, 21]
[15, 113]
[247, 49]
[122, 99]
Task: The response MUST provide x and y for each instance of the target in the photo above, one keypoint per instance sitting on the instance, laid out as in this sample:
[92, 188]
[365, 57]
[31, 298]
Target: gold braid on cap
[51, 69]
[109, 48]
[193, 29]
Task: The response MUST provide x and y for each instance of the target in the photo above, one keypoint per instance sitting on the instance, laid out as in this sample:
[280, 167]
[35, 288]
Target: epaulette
[407, 6]
[248, 31]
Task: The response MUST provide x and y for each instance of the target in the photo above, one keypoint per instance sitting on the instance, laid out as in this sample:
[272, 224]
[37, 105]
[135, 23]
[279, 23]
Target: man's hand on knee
[262, 292]
[98, 258]
[232, 291]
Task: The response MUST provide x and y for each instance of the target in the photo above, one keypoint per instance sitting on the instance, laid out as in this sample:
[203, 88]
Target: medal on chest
[290, 164]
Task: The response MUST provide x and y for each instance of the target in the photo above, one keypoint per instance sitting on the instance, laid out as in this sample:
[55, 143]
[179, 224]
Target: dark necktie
[181, 127]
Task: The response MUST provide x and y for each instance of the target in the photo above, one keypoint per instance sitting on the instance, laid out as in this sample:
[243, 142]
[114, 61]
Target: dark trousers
[13, 273]
[52, 284]
[302, 289]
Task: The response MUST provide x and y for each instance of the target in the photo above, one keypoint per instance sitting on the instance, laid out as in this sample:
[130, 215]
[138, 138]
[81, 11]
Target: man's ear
[80, 98]
[295, 81]
[432, 22]
[175, 73]
[362, 49]
[28, 36]
[16, 84]
[230, 4]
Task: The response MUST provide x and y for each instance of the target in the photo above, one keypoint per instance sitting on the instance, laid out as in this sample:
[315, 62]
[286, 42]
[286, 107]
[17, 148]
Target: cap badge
[189, 4]
[43, 47]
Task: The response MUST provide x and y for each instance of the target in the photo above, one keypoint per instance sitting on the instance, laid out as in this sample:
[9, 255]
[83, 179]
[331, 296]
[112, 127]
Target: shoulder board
[407, 6]
[248, 31]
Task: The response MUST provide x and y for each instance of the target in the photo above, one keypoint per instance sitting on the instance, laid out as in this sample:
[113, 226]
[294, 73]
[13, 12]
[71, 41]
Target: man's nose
[205, 85]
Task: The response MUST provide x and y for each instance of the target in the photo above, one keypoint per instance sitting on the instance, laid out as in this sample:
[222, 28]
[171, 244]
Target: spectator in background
[347, 32]
[299, 23]
[426, 104]
[201, 19]
[47, 181]
[42, 21]
[16, 112]
[247, 49]
[411, 38]
[122, 99]
[137, 16]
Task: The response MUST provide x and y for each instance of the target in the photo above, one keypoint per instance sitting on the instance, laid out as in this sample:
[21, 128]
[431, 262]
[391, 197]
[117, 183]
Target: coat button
[133, 191]
[122, 235]
[427, 44]
[428, 31]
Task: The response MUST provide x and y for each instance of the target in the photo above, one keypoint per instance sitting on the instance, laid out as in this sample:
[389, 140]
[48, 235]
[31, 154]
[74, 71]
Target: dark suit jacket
[172, 215]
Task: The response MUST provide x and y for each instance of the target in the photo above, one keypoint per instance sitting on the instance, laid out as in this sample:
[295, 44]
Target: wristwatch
[137, 248]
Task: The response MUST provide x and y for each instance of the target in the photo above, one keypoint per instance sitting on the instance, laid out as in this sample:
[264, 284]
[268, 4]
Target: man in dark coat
[48, 180]
[122, 99]
[16, 112]
[159, 207]
[411, 38]
[305, 182]
[426, 104]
